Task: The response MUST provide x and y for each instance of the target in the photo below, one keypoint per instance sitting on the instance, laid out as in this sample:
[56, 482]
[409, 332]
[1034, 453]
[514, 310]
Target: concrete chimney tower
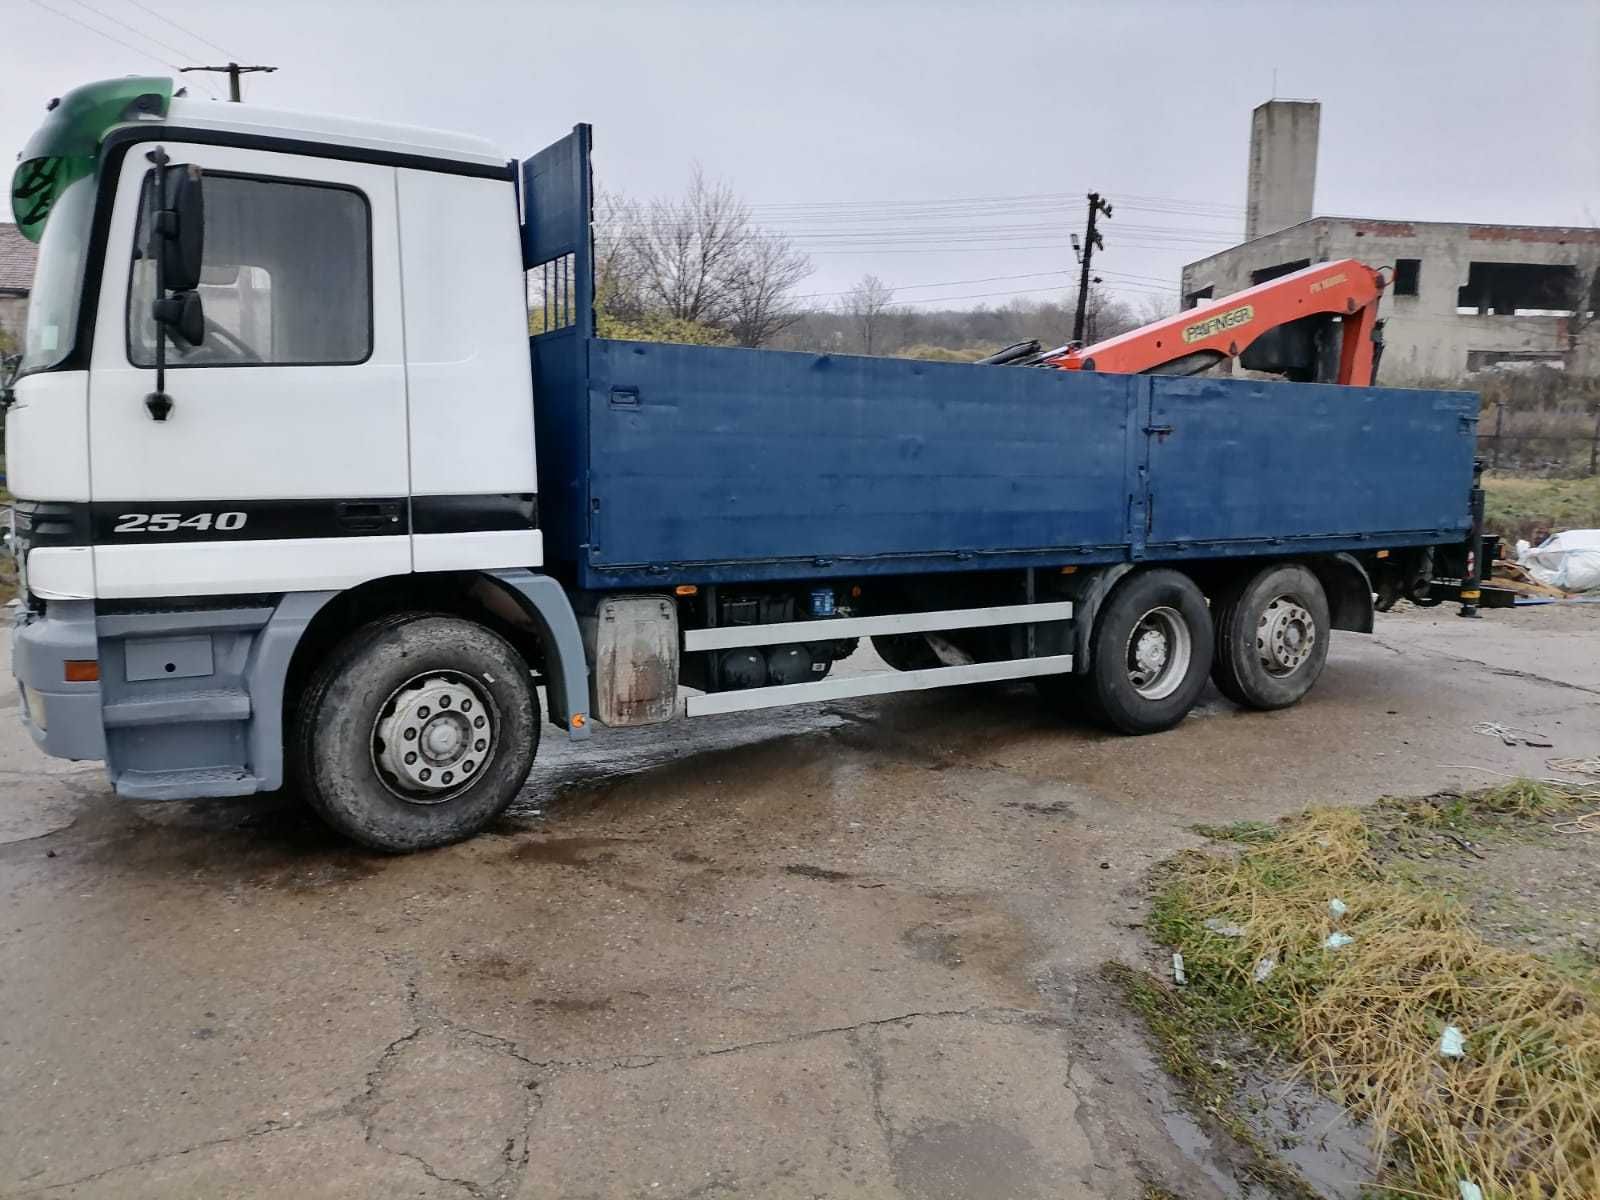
[1283, 165]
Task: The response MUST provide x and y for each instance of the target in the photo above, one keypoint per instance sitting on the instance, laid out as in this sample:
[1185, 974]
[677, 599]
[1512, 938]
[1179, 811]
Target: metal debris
[1178, 977]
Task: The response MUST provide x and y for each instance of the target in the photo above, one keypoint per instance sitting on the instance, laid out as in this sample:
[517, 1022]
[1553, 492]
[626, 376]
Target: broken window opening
[1485, 360]
[1407, 276]
[1518, 290]
[1288, 268]
[1199, 296]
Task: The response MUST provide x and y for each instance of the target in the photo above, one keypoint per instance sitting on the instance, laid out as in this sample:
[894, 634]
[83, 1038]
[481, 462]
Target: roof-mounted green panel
[63, 149]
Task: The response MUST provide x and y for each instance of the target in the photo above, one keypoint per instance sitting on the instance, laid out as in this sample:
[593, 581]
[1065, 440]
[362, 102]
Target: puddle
[1312, 1134]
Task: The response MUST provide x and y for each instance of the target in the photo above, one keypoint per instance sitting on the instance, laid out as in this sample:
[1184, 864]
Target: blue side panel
[706, 460]
[1281, 463]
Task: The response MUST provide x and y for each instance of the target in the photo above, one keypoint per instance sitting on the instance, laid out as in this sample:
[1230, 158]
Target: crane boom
[1316, 324]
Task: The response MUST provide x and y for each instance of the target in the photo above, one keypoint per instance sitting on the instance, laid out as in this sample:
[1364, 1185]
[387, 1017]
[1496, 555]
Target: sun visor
[64, 148]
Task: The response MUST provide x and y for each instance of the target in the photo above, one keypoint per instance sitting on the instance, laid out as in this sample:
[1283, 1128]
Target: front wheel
[416, 732]
[1272, 637]
[1150, 651]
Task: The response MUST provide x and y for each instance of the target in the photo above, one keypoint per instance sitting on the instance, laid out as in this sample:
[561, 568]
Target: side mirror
[181, 223]
[9, 364]
[182, 315]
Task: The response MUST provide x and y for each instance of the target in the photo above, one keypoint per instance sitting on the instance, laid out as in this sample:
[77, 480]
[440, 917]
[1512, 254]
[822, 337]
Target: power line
[1133, 281]
[131, 29]
[1028, 291]
[1048, 199]
[909, 287]
[204, 41]
[109, 37]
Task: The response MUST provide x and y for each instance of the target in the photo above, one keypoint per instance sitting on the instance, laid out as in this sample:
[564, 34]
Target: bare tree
[758, 286]
[1156, 306]
[697, 262]
[1106, 316]
[865, 307]
[618, 286]
[685, 250]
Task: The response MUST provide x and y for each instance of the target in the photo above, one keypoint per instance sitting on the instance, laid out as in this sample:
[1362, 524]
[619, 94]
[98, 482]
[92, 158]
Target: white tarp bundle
[1569, 561]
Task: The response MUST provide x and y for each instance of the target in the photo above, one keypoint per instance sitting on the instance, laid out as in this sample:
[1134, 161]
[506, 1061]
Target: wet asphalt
[849, 950]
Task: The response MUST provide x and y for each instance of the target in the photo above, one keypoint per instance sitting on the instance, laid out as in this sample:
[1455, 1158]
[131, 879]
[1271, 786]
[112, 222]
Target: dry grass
[1519, 1115]
[1518, 507]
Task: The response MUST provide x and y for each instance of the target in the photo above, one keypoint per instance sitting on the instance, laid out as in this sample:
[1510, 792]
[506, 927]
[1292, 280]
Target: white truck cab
[357, 407]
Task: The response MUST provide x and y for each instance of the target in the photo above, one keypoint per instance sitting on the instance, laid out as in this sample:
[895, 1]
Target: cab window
[286, 277]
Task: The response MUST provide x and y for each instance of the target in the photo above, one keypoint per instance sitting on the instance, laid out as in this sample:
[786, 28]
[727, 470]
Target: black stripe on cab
[146, 522]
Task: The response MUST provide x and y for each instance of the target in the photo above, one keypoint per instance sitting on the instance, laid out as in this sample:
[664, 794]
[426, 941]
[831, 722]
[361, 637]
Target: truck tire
[417, 731]
[1149, 652]
[1272, 637]
[906, 651]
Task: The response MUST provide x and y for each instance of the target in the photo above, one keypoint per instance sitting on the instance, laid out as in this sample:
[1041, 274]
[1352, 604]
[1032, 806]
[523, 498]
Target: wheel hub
[1150, 653]
[1285, 636]
[1159, 650]
[433, 735]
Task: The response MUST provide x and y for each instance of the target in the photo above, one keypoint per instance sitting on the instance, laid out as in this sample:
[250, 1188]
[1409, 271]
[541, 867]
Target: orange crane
[1318, 324]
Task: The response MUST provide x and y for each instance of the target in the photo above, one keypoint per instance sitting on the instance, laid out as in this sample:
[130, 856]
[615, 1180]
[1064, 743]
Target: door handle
[367, 516]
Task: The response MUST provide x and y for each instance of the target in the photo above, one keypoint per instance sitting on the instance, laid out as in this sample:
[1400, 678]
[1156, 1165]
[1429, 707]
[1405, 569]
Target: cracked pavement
[847, 950]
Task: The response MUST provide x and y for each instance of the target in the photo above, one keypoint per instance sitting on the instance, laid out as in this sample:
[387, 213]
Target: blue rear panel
[1254, 462]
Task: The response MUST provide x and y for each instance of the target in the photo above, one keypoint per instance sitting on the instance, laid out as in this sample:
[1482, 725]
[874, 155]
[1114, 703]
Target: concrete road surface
[848, 951]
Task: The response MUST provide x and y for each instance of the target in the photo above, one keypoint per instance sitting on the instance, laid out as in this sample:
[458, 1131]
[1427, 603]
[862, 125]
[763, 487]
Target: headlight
[35, 703]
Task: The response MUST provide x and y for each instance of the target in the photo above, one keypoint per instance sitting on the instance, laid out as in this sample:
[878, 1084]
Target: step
[177, 708]
[188, 783]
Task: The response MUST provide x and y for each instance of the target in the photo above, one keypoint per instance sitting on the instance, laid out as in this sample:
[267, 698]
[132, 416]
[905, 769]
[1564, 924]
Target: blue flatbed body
[662, 464]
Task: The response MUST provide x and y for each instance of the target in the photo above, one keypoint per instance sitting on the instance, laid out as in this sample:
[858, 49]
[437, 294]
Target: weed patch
[1518, 1114]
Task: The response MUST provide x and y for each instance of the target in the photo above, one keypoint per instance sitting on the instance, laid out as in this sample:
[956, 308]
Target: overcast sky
[928, 142]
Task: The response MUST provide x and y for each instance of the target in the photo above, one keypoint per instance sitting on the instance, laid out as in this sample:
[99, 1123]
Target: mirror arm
[158, 402]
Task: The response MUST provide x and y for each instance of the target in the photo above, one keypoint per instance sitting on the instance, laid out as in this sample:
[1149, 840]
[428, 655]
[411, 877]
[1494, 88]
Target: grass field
[1362, 1014]
[1518, 506]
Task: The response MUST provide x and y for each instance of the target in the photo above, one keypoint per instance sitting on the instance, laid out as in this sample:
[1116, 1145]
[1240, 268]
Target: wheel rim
[1285, 636]
[1159, 651]
[433, 736]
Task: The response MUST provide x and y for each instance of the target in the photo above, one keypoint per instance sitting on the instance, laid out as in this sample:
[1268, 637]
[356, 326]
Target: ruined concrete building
[17, 254]
[1465, 297]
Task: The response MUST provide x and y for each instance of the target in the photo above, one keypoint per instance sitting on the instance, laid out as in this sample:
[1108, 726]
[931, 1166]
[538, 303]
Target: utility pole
[1091, 242]
[233, 70]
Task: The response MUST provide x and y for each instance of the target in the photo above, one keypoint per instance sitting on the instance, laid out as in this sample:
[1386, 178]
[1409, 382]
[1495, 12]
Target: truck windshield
[58, 279]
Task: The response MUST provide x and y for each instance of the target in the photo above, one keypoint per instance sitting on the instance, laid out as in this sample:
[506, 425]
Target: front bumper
[63, 718]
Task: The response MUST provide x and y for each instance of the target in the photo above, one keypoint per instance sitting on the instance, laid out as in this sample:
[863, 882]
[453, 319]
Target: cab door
[283, 462]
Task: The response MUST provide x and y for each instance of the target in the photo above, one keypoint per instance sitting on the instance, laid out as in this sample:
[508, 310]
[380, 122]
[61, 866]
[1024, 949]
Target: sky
[944, 147]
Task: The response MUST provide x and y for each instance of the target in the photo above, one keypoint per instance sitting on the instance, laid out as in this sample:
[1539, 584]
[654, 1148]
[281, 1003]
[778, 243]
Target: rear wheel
[416, 732]
[1272, 637]
[1150, 651]
[906, 651]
